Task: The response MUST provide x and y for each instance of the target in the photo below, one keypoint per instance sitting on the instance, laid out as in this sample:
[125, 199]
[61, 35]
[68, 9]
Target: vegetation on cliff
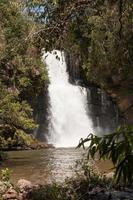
[22, 74]
[100, 32]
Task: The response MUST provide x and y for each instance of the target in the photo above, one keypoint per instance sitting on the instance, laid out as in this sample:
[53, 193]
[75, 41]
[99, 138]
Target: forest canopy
[99, 31]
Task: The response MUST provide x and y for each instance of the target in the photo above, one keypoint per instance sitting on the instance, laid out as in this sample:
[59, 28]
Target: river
[46, 166]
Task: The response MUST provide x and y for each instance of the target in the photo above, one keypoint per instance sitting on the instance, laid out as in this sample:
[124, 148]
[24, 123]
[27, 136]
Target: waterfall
[69, 121]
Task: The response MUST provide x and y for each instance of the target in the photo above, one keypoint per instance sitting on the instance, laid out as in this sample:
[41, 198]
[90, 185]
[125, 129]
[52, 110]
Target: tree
[22, 73]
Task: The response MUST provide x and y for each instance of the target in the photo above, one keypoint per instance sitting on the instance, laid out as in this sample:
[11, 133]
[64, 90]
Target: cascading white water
[68, 105]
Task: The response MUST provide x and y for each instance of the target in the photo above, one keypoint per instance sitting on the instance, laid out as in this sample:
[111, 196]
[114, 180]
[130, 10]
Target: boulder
[24, 185]
[10, 194]
[109, 175]
[3, 187]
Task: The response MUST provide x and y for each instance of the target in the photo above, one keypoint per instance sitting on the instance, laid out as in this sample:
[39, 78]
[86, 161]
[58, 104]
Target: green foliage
[22, 139]
[14, 116]
[118, 147]
[22, 73]
[100, 31]
[14, 113]
[50, 192]
[5, 174]
[76, 187]
[93, 177]
[109, 60]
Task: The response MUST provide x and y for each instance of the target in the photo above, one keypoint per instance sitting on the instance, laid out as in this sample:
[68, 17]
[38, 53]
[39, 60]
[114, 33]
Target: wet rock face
[77, 76]
[74, 69]
[126, 106]
[103, 111]
[41, 115]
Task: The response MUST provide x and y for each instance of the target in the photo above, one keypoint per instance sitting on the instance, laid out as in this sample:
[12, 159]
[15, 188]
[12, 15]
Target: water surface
[45, 166]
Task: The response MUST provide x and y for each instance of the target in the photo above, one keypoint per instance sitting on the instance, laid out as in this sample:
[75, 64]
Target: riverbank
[37, 146]
[51, 174]
[22, 141]
[72, 189]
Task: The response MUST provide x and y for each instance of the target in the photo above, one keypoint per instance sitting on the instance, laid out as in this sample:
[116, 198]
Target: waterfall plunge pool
[45, 166]
[69, 121]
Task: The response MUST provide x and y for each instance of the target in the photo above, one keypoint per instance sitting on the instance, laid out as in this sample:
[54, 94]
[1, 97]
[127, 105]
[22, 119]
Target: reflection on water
[43, 166]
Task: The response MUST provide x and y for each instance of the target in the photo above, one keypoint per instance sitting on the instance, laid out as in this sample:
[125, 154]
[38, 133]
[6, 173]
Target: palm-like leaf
[117, 147]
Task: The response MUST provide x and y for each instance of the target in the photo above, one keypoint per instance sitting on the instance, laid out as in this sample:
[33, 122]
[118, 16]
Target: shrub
[5, 174]
[117, 147]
